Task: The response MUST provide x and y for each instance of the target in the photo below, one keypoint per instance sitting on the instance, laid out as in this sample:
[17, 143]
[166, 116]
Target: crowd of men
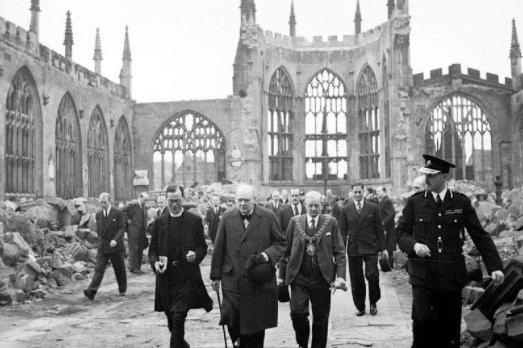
[296, 247]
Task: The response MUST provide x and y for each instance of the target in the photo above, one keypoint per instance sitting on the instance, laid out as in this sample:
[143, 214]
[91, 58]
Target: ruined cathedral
[303, 112]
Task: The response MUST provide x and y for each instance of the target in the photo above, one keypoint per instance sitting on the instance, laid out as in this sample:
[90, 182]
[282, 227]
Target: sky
[184, 50]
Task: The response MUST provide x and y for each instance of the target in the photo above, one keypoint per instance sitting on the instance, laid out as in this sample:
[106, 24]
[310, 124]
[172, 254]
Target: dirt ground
[67, 319]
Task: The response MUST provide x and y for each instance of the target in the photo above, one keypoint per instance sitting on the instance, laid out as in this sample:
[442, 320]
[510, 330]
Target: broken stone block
[518, 226]
[82, 233]
[24, 226]
[500, 319]
[470, 294]
[79, 267]
[60, 279]
[51, 282]
[44, 262]
[32, 268]
[66, 270]
[25, 282]
[39, 293]
[20, 242]
[491, 228]
[70, 232]
[515, 327]
[84, 220]
[92, 237]
[6, 295]
[78, 276]
[20, 295]
[478, 325]
[77, 251]
[10, 254]
[42, 213]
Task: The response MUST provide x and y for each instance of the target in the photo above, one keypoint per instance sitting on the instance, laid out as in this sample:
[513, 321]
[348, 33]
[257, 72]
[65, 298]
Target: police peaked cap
[435, 165]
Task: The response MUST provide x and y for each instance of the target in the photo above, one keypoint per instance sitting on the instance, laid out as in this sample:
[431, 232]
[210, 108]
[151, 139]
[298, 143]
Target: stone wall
[54, 76]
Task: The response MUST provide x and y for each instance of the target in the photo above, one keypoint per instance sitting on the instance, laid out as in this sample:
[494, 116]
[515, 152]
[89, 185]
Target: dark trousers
[135, 245]
[436, 318]
[255, 340]
[390, 242]
[320, 299]
[176, 324]
[357, 281]
[102, 260]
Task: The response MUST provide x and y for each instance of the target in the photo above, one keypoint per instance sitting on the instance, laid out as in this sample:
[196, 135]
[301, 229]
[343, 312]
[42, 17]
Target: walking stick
[223, 326]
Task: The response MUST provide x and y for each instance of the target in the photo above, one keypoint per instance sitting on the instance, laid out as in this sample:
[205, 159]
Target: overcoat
[257, 306]
[162, 245]
[442, 230]
[330, 249]
[286, 214]
[363, 232]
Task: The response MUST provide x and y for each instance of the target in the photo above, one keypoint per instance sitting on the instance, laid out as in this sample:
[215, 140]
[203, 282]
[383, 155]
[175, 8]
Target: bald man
[247, 232]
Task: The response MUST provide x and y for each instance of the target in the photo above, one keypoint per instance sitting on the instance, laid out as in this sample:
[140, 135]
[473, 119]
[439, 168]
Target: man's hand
[421, 250]
[215, 285]
[112, 244]
[279, 281]
[159, 267]
[497, 277]
[191, 256]
[339, 283]
[384, 254]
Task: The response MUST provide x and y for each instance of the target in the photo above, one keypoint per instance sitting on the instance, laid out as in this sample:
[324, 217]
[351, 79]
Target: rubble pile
[44, 244]
[496, 316]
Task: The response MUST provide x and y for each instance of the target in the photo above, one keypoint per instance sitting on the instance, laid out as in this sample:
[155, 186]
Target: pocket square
[328, 234]
[114, 220]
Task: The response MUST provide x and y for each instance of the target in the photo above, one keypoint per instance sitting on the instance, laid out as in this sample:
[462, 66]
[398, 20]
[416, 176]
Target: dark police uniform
[437, 280]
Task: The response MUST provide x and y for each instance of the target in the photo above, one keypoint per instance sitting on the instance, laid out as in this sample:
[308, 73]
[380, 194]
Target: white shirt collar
[297, 206]
[362, 202]
[108, 210]
[441, 194]
[309, 220]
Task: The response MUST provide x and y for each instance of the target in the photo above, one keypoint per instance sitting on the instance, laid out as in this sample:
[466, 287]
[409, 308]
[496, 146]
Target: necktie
[358, 206]
[438, 200]
[105, 213]
[296, 211]
[313, 225]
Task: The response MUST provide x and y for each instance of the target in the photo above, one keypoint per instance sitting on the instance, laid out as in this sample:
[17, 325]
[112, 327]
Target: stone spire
[68, 40]
[248, 12]
[515, 50]
[125, 72]
[292, 21]
[97, 53]
[35, 18]
[357, 19]
[391, 5]
[515, 59]
[403, 6]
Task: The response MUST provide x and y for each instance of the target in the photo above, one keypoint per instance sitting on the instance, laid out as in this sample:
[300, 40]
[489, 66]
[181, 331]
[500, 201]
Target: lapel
[447, 200]
[253, 223]
[105, 220]
[237, 222]
[321, 221]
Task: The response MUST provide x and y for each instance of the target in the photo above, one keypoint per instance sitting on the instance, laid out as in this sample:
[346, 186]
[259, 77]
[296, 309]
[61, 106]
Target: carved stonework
[400, 138]
[249, 36]
[401, 24]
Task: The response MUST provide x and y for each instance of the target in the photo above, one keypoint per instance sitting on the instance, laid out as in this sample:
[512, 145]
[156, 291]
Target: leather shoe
[360, 312]
[121, 293]
[373, 309]
[89, 294]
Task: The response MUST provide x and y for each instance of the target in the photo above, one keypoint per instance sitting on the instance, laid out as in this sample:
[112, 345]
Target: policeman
[431, 233]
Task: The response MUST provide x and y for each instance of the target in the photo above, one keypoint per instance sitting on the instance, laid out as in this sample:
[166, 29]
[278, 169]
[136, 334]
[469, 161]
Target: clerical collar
[176, 215]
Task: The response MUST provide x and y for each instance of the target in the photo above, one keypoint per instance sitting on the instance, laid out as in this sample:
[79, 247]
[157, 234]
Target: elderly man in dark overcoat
[388, 214]
[245, 233]
[316, 262]
[176, 251]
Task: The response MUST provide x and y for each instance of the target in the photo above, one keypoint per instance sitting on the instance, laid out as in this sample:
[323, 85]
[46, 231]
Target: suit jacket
[110, 228]
[272, 207]
[330, 248]
[213, 219]
[286, 214]
[363, 232]
[163, 244]
[387, 213]
[137, 217]
[258, 305]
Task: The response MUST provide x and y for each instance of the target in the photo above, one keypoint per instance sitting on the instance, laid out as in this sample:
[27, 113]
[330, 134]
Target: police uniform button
[439, 226]
[420, 219]
[455, 220]
[439, 214]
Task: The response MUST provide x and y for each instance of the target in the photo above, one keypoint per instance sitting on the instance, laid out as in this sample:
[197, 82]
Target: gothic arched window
[369, 124]
[122, 168]
[279, 117]
[189, 149]
[68, 150]
[459, 132]
[97, 154]
[326, 128]
[22, 134]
